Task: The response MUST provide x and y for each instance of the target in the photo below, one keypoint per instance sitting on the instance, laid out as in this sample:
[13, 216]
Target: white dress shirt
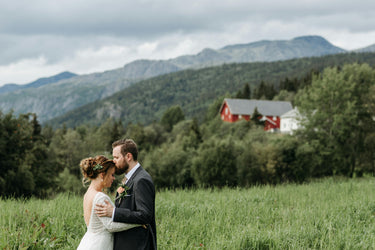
[131, 172]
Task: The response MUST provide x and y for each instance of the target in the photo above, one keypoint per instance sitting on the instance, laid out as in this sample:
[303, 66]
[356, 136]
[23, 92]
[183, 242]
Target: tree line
[337, 137]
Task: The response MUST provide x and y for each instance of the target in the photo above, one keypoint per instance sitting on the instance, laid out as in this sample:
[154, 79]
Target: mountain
[370, 48]
[148, 68]
[10, 87]
[56, 98]
[262, 51]
[195, 90]
[52, 79]
[38, 83]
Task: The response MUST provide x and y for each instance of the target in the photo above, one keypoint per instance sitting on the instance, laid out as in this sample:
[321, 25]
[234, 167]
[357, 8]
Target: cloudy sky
[42, 38]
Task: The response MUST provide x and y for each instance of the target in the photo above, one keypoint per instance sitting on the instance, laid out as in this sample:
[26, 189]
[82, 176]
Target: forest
[337, 138]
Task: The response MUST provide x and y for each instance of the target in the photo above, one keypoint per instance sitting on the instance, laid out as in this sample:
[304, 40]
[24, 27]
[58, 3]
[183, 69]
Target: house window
[274, 118]
[222, 117]
[240, 117]
[226, 111]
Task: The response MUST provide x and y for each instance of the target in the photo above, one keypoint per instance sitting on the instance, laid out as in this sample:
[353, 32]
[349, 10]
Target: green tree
[69, 149]
[284, 95]
[256, 118]
[257, 164]
[213, 109]
[338, 117]
[106, 134]
[172, 116]
[24, 168]
[170, 165]
[215, 163]
[66, 182]
[245, 93]
[265, 91]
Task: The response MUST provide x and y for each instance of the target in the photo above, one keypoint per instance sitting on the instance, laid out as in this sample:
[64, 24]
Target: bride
[100, 171]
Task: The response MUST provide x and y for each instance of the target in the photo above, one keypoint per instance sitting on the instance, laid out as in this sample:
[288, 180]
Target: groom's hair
[127, 146]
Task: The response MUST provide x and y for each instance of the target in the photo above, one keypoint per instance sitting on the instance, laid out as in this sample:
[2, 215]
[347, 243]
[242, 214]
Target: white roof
[294, 113]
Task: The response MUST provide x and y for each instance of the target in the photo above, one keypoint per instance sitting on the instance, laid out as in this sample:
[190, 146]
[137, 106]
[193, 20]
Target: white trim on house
[290, 121]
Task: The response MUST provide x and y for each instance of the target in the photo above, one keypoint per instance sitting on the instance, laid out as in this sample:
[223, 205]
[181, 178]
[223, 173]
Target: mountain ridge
[10, 87]
[54, 99]
[194, 90]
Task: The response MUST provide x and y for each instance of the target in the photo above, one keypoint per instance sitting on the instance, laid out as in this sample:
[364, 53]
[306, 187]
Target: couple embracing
[129, 223]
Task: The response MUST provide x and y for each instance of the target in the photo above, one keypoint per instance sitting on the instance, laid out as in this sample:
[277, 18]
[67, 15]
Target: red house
[233, 110]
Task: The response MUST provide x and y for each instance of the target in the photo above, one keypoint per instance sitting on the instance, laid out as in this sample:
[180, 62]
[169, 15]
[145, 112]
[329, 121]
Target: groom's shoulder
[143, 174]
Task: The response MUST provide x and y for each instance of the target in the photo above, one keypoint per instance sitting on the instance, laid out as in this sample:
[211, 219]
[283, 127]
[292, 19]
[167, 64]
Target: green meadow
[325, 214]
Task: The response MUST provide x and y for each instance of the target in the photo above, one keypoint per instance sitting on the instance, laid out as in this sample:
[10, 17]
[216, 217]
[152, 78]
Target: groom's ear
[129, 156]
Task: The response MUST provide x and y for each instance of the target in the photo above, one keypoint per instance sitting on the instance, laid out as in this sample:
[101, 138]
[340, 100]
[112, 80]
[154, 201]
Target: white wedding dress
[99, 233]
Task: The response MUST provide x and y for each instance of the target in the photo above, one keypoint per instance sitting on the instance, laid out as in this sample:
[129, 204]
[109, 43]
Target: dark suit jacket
[138, 207]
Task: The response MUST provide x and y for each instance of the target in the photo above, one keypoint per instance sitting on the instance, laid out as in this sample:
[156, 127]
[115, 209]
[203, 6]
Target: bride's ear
[102, 176]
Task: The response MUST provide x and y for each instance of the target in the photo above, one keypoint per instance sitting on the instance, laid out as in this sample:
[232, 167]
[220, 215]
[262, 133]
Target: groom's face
[120, 161]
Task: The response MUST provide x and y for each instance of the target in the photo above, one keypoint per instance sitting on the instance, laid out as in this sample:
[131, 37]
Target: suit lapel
[129, 183]
[117, 202]
[131, 180]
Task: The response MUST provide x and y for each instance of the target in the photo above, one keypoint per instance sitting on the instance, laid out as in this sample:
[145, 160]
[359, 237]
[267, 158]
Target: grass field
[326, 214]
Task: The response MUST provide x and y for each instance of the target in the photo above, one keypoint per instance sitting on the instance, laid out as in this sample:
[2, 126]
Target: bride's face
[109, 178]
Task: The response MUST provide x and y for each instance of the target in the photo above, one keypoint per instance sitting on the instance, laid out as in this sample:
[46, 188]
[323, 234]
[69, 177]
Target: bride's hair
[91, 167]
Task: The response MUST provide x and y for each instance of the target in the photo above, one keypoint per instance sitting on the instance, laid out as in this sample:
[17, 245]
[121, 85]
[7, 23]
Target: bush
[67, 182]
[170, 166]
[215, 164]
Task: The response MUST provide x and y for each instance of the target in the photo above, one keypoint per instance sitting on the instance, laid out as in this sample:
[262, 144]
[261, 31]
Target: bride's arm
[113, 226]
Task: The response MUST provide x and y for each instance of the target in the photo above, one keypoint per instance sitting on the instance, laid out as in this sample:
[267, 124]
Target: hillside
[36, 84]
[370, 48]
[195, 90]
[262, 51]
[55, 99]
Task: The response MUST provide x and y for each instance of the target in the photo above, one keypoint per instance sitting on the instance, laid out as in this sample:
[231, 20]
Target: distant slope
[55, 99]
[195, 90]
[370, 48]
[38, 83]
[47, 80]
[262, 51]
[9, 87]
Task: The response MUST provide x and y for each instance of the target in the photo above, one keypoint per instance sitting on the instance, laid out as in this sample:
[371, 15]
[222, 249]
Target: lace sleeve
[109, 224]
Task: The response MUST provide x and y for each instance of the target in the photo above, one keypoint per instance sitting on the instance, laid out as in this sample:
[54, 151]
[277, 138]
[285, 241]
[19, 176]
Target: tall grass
[41, 224]
[327, 214]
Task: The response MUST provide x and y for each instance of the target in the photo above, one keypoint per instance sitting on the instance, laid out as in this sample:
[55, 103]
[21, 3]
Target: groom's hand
[104, 210]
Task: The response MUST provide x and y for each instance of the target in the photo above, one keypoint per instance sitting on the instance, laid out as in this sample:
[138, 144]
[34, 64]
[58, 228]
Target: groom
[138, 205]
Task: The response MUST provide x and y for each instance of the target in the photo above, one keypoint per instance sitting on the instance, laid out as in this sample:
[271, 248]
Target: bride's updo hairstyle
[91, 167]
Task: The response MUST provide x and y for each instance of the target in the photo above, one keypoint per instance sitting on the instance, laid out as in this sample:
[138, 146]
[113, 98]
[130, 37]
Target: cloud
[40, 38]
[32, 68]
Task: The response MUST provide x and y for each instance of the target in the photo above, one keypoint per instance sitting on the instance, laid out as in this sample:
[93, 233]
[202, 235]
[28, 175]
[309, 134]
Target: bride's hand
[104, 210]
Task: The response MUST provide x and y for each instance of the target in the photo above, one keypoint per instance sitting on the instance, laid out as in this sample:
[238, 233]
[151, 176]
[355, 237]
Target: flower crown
[97, 167]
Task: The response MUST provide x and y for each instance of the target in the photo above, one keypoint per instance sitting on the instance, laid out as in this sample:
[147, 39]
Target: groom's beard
[123, 169]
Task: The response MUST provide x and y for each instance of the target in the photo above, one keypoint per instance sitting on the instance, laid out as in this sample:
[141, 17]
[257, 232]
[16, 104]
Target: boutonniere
[122, 191]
